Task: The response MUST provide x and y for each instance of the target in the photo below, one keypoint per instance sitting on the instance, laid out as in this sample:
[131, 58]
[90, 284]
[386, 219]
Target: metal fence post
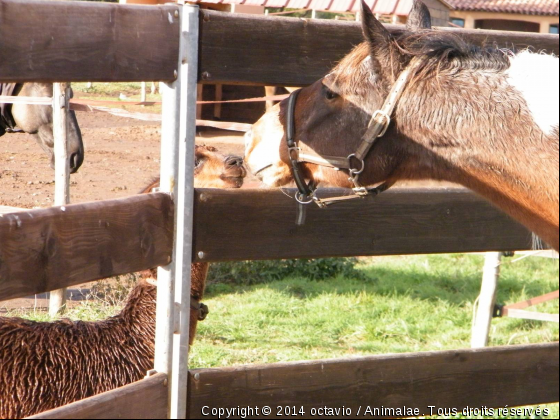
[177, 177]
[486, 300]
[61, 98]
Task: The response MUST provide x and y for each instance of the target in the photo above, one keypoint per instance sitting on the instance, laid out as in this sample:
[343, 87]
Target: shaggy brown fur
[47, 365]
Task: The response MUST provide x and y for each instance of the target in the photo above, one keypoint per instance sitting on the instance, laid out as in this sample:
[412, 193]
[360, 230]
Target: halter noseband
[7, 122]
[377, 127]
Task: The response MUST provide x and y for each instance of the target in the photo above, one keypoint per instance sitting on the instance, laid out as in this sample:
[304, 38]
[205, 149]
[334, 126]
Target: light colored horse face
[38, 121]
[216, 170]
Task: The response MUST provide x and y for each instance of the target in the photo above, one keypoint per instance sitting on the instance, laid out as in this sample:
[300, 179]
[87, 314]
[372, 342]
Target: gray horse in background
[37, 120]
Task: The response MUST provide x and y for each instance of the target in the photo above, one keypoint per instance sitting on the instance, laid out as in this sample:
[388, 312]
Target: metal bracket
[498, 311]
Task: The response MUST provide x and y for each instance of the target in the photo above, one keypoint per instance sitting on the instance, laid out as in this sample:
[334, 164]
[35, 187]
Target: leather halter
[7, 122]
[200, 307]
[196, 304]
[377, 127]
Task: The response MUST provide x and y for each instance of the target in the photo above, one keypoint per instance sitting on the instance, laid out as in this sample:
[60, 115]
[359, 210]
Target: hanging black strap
[7, 123]
[305, 189]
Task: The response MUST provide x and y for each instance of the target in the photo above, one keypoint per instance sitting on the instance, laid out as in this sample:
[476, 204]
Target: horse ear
[419, 17]
[378, 38]
[375, 33]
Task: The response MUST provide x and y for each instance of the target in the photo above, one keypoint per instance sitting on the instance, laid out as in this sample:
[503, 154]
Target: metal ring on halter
[294, 150]
[352, 170]
[300, 198]
[387, 121]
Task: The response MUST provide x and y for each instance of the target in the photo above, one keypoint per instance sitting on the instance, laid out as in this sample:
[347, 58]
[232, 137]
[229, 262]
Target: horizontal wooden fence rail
[400, 221]
[43, 250]
[476, 378]
[48, 41]
[146, 399]
[297, 52]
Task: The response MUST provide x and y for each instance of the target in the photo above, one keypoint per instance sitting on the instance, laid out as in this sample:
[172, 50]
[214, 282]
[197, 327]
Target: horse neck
[36, 89]
[482, 135]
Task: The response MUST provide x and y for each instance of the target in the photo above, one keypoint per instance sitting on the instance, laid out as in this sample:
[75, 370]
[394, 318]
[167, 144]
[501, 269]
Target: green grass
[404, 304]
[105, 299]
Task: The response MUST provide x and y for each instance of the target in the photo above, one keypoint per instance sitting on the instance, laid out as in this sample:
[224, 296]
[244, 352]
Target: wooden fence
[103, 42]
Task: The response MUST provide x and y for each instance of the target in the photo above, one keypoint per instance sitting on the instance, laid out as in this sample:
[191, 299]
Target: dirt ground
[122, 156]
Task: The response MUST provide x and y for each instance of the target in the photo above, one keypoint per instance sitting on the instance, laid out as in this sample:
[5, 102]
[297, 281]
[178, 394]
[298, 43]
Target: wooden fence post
[61, 97]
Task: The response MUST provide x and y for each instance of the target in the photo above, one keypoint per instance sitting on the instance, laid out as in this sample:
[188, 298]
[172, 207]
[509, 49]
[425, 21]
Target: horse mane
[442, 52]
[446, 51]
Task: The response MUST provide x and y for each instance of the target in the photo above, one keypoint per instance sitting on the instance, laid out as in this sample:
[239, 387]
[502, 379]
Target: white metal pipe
[486, 300]
[143, 92]
[61, 98]
[184, 208]
[177, 177]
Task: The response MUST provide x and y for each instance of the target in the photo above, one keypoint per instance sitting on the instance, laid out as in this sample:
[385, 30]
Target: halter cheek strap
[305, 190]
[355, 162]
[7, 123]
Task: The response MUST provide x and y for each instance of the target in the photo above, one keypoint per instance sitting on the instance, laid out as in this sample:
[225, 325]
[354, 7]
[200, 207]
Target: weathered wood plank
[260, 224]
[146, 399]
[489, 377]
[43, 250]
[6, 209]
[297, 52]
[80, 41]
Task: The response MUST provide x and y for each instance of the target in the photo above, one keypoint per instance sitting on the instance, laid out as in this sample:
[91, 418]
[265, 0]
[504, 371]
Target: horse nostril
[234, 161]
[75, 162]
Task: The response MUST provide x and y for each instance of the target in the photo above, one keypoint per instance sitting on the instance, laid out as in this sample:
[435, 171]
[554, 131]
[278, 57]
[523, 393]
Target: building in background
[389, 11]
[506, 15]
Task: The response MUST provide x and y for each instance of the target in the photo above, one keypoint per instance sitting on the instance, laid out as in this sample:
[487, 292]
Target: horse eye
[329, 94]
[199, 161]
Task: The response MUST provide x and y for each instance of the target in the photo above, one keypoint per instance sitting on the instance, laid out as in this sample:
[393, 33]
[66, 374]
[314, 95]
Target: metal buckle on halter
[303, 199]
[296, 150]
[387, 118]
[320, 203]
[353, 171]
[358, 188]
[361, 191]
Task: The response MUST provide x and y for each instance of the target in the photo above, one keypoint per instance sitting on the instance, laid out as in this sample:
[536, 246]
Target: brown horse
[212, 170]
[37, 120]
[485, 118]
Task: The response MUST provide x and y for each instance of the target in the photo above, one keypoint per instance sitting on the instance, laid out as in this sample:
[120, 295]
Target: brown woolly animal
[46, 365]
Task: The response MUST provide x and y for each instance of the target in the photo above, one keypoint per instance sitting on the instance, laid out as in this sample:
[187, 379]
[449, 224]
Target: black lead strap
[305, 190]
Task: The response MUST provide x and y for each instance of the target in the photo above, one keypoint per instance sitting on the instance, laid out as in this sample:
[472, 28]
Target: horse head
[423, 104]
[37, 120]
[332, 114]
[216, 170]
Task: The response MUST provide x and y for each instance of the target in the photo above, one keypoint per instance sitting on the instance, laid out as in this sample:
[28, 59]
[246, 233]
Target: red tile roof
[382, 7]
[524, 7]
[402, 7]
